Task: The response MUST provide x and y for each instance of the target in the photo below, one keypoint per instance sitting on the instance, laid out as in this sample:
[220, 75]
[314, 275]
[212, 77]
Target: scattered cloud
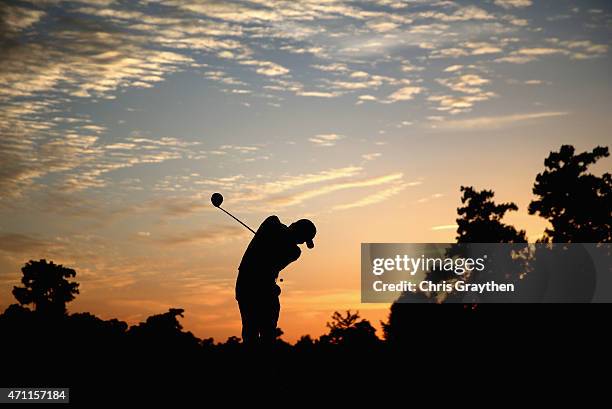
[538, 51]
[453, 68]
[270, 69]
[374, 198]
[367, 98]
[326, 140]
[404, 94]
[509, 4]
[213, 234]
[382, 26]
[462, 14]
[318, 94]
[493, 122]
[335, 67]
[297, 198]
[21, 243]
[371, 156]
[470, 88]
[468, 84]
[444, 227]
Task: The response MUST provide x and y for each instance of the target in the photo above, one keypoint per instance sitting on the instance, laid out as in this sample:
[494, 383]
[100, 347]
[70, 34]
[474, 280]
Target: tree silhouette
[350, 331]
[480, 219]
[46, 286]
[305, 344]
[163, 333]
[576, 203]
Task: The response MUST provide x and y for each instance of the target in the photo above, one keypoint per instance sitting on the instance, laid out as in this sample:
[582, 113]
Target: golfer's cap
[308, 230]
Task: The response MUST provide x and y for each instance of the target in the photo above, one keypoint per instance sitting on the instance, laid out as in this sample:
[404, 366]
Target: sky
[118, 119]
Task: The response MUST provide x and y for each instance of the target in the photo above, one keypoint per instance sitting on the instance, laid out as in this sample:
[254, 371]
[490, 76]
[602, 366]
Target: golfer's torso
[271, 249]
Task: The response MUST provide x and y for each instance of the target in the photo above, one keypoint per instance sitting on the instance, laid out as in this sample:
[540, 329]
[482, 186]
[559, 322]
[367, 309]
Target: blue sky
[118, 119]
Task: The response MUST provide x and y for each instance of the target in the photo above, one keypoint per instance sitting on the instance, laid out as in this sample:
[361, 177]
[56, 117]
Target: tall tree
[577, 204]
[46, 285]
[480, 219]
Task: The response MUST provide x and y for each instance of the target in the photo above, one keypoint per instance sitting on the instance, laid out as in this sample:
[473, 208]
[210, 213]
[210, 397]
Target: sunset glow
[118, 120]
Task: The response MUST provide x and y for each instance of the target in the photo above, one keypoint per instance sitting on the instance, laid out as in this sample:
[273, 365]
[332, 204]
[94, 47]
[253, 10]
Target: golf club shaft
[235, 218]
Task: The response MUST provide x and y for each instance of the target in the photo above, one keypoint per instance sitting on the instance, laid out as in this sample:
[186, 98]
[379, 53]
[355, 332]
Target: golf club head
[216, 199]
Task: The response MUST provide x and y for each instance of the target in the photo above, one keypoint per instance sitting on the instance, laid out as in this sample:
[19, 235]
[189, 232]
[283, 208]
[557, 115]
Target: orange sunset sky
[118, 119]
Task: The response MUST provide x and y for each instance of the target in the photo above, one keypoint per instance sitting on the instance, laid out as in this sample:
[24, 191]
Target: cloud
[262, 194]
[318, 94]
[482, 48]
[353, 85]
[371, 156]
[240, 148]
[335, 67]
[575, 49]
[326, 140]
[16, 18]
[249, 192]
[509, 4]
[494, 122]
[118, 61]
[22, 243]
[429, 198]
[259, 194]
[409, 67]
[78, 161]
[538, 51]
[516, 59]
[213, 234]
[367, 98]
[404, 94]
[359, 74]
[582, 49]
[462, 14]
[382, 26]
[375, 198]
[456, 104]
[444, 227]
[297, 198]
[234, 12]
[267, 68]
[453, 52]
[468, 83]
[453, 68]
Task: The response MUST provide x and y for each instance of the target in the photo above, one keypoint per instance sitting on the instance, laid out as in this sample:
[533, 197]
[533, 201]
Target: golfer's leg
[270, 320]
[249, 324]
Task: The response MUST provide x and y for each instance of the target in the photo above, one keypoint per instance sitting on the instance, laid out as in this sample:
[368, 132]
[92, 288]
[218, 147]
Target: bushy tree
[480, 219]
[577, 204]
[164, 332]
[305, 344]
[46, 286]
[350, 331]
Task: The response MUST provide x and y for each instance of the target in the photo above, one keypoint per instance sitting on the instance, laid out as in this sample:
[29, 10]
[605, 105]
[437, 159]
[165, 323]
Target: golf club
[217, 199]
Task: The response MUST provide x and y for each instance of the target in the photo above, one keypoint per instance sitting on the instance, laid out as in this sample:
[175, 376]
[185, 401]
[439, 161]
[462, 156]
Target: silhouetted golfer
[273, 248]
